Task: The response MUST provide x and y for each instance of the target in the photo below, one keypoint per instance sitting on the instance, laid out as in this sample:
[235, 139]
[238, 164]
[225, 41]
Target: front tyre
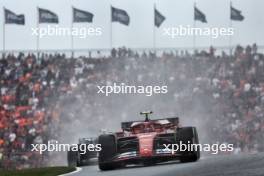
[72, 157]
[188, 136]
[108, 151]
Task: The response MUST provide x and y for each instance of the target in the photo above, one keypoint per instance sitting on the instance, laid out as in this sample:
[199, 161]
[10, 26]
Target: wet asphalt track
[236, 165]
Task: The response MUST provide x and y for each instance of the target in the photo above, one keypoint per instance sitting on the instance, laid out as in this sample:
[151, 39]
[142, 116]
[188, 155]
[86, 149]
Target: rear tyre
[109, 150]
[189, 135]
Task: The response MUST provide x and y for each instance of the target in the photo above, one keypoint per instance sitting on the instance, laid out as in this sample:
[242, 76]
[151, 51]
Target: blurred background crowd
[41, 97]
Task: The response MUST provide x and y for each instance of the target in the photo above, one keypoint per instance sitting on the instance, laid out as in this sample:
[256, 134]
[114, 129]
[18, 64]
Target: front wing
[134, 157]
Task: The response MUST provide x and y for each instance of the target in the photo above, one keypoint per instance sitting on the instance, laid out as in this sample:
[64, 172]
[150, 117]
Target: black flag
[12, 18]
[47, 16]
[159, 18]
[199, 15]
[119, 15]
[236, 14]
[80, 16]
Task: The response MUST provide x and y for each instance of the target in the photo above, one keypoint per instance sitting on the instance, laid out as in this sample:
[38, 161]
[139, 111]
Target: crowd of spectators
[38, 95]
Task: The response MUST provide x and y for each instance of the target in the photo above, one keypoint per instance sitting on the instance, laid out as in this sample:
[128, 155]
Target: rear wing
[166, 122]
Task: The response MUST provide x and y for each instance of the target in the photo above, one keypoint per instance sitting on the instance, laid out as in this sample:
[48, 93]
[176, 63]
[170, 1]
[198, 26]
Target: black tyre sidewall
[109, 150]
[72, 158]
[185, 135]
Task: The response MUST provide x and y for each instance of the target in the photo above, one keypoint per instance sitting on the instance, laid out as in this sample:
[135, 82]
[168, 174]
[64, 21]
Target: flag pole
[72, 44]
[111, 30]
[37, 47]
[230, 26]
[154, 31]
[194, 26]
[4, 33]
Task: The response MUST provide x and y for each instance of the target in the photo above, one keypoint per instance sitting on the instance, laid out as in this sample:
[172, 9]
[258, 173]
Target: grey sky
[140, 31]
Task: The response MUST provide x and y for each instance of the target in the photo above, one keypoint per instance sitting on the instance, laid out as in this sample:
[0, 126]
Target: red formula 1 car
[143, 142]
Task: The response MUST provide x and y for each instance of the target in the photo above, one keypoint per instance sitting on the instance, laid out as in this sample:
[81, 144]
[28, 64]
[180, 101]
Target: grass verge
[48, 171]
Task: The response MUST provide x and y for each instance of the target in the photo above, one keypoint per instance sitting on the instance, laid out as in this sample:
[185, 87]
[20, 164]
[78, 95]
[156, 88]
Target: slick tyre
[188, 135]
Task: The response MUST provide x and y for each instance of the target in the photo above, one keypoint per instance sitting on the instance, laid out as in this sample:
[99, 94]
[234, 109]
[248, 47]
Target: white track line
[78, 169]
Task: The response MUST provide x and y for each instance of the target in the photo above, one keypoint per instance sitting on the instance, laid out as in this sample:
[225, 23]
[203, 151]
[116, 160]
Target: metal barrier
[105, 52]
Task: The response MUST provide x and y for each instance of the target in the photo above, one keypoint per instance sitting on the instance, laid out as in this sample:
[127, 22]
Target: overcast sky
[139, 34]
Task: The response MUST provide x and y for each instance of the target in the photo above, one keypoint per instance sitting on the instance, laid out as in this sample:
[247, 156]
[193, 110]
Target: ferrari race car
[76, 157]
[143, 142]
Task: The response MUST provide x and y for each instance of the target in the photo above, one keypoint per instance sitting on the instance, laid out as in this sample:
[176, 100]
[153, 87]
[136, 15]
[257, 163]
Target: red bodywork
[146, 132]
[146, 144]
